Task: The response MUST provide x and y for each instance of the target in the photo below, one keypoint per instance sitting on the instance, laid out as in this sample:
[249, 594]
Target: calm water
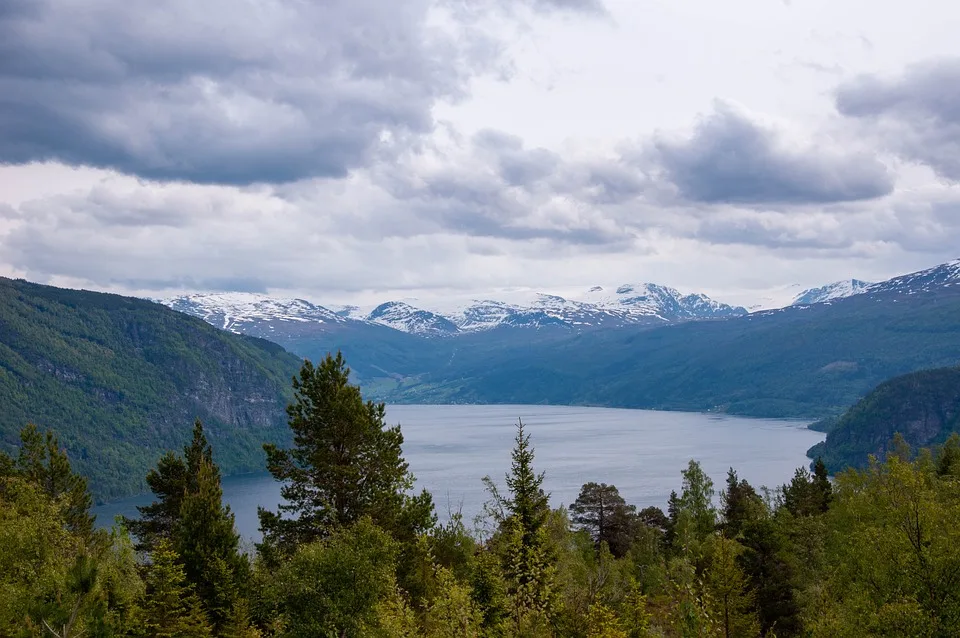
[451, 447]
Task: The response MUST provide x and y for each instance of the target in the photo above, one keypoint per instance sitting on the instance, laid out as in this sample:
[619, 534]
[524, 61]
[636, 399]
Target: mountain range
[598, 307]
[642, 346]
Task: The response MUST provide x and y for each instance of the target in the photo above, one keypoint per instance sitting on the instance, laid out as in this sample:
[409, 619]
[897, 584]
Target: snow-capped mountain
[404, 317]
[929, 280]
[943, 276]
[836, 290]
[661, 302]
[630, 304]
[234, 311]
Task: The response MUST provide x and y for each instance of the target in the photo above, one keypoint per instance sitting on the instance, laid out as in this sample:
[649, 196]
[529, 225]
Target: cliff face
[121, 380]
[924, 407]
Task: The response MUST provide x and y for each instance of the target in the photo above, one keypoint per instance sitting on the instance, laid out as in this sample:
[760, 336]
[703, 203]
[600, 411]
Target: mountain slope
[836, 290]
[802, 361]
[122, 379]
[922, 406]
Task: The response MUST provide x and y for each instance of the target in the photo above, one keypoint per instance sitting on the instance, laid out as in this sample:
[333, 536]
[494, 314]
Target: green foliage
[57, 576]
[345, 464]
[334, 587]
[110, 374]
[602, 512]
[923, 407]
[172, 608]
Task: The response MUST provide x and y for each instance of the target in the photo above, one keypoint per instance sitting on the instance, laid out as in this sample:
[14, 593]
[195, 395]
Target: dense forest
[923, 407]
[356, 552]
[117, 378]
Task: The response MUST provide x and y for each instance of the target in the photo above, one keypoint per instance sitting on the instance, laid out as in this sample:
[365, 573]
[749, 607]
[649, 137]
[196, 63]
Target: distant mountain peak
[402, 316]
[836, 290]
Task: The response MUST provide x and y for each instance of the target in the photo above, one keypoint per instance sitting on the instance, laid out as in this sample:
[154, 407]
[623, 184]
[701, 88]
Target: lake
[451, 447]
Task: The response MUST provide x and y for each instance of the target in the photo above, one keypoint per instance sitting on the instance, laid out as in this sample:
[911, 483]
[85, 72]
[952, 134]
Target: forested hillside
[797, 362]
[120, 379]
[923, 407]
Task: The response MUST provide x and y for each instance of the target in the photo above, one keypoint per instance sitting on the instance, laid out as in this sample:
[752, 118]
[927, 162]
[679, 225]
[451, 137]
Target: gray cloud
[731, 159]
[918, 113]
[229, 92]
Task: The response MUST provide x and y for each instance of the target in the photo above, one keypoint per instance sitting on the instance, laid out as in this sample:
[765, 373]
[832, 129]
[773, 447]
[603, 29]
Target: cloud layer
[256, 145]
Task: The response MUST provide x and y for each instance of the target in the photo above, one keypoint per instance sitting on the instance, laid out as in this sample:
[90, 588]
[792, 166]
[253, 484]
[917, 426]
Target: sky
[351, 151]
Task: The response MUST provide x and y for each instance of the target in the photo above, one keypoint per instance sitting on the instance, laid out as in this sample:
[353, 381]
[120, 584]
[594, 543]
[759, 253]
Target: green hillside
[924, 407]
[122, 379]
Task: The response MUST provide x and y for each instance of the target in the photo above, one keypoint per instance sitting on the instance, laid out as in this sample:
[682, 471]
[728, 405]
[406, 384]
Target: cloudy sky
[346, 150]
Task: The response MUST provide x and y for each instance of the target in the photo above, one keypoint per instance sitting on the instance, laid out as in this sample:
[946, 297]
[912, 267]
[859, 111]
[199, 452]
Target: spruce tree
[741, 505]
[172, 608]
[209, 546]
[528, 561]
[345, 464]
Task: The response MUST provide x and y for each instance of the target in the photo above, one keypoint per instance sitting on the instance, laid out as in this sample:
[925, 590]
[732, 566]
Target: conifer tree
[172, 608]
[528, 561]
[209, 546]
[345, 464]
[602, 512]
[173, 477]
[741, 505]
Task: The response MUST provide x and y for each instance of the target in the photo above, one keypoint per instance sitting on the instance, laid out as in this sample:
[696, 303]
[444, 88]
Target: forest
[356, 552]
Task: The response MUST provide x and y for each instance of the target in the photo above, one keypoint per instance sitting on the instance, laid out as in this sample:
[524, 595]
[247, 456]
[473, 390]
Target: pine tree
[173, 477]
[345, 464]
[602, 512]
[172, 608]
[207, 543]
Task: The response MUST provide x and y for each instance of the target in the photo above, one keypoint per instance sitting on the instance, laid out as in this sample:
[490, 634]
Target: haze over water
[451, 447]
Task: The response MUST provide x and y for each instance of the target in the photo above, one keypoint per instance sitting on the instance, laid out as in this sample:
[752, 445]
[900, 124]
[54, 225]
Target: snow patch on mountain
[404, 317]
[230, 309]
[836, 290]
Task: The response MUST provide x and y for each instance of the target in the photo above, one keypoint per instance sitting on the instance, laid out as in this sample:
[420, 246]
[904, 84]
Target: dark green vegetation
[118, 377]
[923, 407]
[811, 361]
[358, 554]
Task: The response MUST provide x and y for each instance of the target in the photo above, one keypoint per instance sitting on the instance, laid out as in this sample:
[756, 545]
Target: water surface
[451, 447]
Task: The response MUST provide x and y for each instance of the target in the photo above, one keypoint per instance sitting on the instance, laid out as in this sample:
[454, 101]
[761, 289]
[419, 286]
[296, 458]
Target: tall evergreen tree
[345, 464]
[528, 560]
[172, 609]
[209, 546]
[741, 505]
[602, 512]
[173, 477]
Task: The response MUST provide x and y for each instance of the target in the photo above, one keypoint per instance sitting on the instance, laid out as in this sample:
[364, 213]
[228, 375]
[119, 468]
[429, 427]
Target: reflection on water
[451, 447]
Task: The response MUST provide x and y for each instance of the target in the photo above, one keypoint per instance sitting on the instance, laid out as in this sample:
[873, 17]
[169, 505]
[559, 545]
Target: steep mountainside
[121, 380]
[924, 407]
